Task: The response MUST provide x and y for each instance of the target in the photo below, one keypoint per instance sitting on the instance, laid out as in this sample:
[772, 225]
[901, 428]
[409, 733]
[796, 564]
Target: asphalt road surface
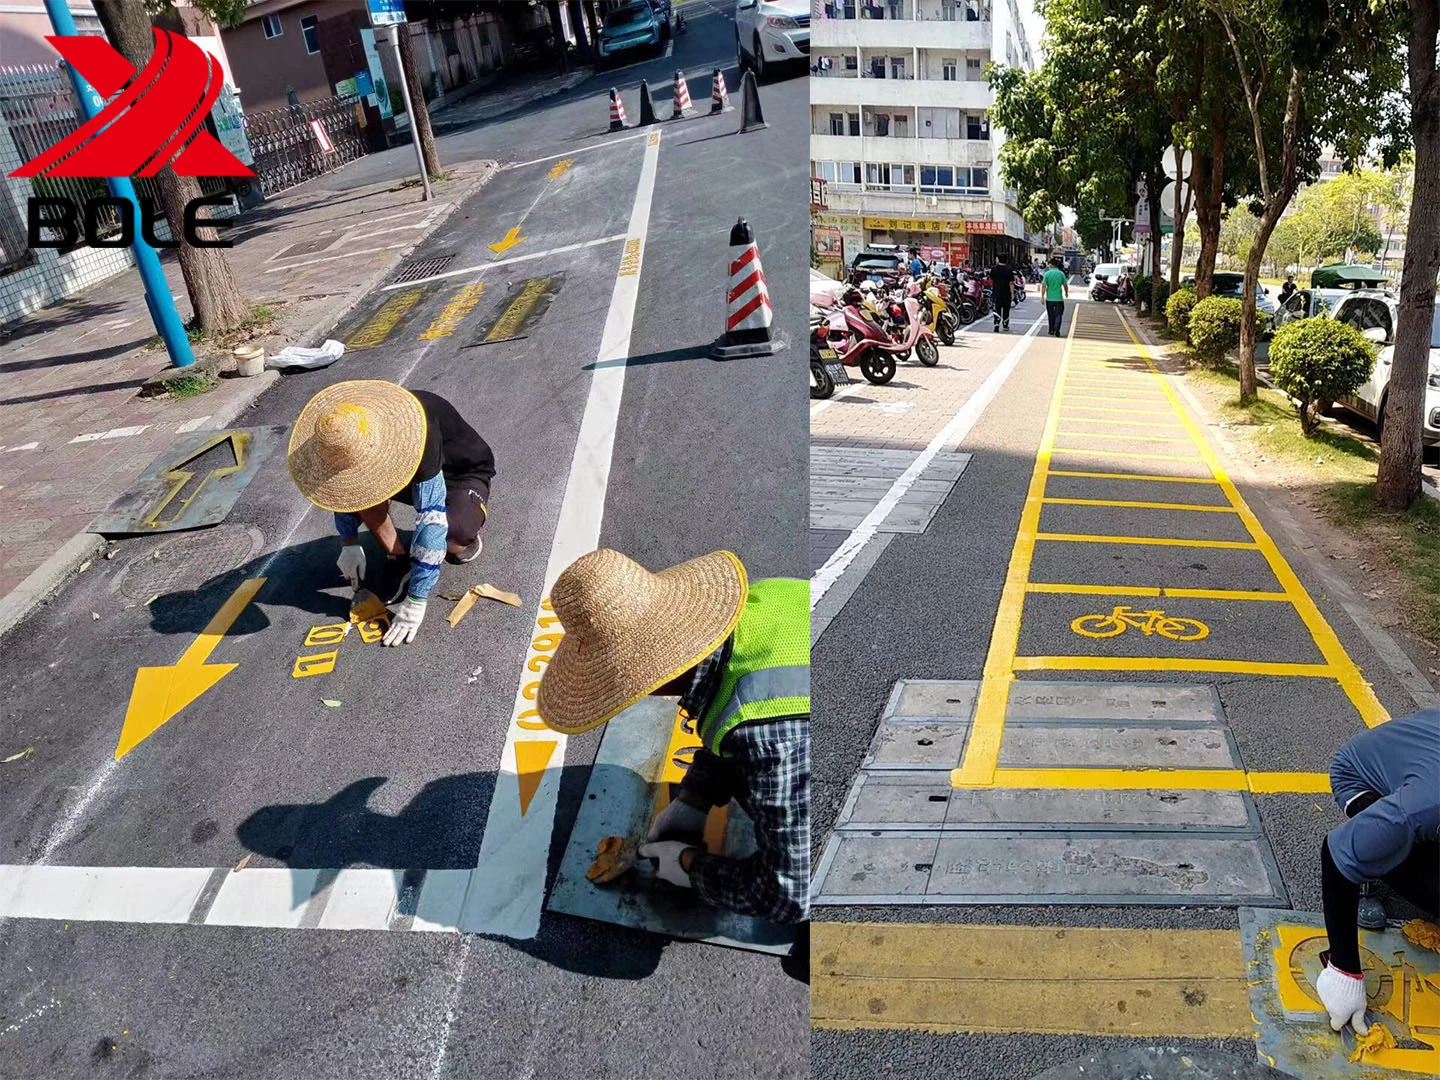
[401, 774]
[1043, 939]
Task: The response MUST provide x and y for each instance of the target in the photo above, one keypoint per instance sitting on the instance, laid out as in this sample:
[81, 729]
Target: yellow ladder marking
[1158, 478]
[1104, 452]
[1158, 541]
[1152, 590]
[1168, 663]
[1135, 505]
[1120, 435]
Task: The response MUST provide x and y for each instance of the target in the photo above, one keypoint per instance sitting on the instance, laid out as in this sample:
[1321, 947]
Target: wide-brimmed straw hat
[628, 632]
[356, 444]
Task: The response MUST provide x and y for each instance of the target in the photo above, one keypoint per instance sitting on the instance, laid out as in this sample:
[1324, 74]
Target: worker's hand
[667, 854]
[678, 821]
[404, 622]
[352, 564]
[1343, 995]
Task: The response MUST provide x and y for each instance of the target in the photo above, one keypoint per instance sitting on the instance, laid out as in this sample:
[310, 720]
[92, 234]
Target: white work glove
[679, 820]
[666, 853]
[1344, 998]
[404, 622]
[352, 564]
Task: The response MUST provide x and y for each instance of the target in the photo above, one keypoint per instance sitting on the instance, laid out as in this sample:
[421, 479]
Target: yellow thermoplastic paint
[1118, 423]
[1154, 541]
[1107, 452]
[1262, 783]
[1171, 663]
[1127, 435]
[948, 977]
[1136, 505]
[1153, 477]
[1153, 590]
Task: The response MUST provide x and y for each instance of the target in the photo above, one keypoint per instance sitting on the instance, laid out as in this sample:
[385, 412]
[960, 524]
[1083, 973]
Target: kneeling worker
[358, 445]
[737, 654]
[1387, 780]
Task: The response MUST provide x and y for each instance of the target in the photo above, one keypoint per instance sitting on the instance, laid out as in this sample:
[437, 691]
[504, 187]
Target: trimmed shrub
[1177, 311]
[1319, 360]
[1215, 328]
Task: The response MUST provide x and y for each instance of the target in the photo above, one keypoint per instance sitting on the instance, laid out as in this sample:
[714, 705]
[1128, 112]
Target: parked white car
[769, 33]
[1375, 314]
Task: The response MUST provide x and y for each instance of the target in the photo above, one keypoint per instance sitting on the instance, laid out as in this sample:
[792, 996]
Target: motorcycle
[1019, 294]
[968, 300]
[1121, 291]
[864, 342]
[826, 369]
[934, 309]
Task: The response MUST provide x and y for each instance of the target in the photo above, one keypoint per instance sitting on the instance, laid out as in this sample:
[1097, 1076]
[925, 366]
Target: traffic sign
[386, 12]
[1169, 164]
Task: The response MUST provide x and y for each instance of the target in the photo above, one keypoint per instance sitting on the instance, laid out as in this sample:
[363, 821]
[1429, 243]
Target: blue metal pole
[157, 291]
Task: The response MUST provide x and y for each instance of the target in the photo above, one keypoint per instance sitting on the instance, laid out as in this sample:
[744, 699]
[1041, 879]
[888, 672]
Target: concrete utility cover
[906, 835]
[1402, 982]
[847, 482]
[1155, 1063]
[193, 483]
[618, 801]
[188, 562]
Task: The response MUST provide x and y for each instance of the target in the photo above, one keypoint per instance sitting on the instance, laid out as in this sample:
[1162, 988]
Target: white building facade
[900, 128]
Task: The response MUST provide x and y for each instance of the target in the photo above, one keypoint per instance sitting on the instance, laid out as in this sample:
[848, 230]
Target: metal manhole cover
[413, 271]
[181, 563]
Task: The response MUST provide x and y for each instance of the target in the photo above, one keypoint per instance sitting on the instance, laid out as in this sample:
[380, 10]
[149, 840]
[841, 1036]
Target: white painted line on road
[507, 888]
[264, 896]
[576, 150]
[953, 432]
[336, 258]
[505, 262]
[124, 432]
[192, 425]
[27, 446]
[362, 898]
[424, 223]
[100, 893]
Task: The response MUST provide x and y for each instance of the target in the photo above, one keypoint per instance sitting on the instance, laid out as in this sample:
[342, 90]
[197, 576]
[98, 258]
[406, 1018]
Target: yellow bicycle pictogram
[1147, 622]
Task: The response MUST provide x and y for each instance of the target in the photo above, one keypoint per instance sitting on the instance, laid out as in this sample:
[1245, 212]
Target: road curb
[1386, 647]
[64, 563]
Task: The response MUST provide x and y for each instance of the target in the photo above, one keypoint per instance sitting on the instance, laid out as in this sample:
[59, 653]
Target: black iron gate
[289, 144]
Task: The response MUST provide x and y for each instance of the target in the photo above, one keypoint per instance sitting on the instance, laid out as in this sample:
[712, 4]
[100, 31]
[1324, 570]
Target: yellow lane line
[1167, 413]
[1117, 423]
[1141, 399]
[1103, 452]
[952, 978]
[1168, 663]
[1262, 783]
[1149, 477]
[1347, 673]
[1154, 590]
[1133, 504]
[982, 751]
[1156, 541]
[1125, 435]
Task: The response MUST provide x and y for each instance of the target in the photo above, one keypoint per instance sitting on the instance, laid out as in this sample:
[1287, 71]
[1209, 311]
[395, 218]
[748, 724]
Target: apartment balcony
[874, 203]
[963, 152]
[900, 34]
[901, 93]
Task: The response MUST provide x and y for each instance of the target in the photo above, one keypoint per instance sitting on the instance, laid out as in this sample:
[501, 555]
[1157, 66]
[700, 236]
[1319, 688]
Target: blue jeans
[1056, 310]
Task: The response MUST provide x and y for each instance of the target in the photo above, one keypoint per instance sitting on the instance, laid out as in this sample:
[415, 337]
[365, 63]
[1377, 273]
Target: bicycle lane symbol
[1154, 621]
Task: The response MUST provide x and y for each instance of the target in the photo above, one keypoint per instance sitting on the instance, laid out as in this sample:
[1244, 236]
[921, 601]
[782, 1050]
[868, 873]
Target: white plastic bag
[297, 359]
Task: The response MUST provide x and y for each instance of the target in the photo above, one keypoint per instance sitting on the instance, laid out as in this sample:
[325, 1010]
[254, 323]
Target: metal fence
[288, 150]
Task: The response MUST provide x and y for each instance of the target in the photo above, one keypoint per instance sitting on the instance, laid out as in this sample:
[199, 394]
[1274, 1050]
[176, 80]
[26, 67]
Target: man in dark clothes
[358, 445]
[1387, 780]
[1002, 288]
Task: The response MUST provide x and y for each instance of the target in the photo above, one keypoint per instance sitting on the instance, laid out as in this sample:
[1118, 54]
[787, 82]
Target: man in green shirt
[1057, 291]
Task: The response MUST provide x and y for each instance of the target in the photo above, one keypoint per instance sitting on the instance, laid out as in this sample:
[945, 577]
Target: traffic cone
[747, 303]
[682, 98]
[647, 108]
[751, 118]
[719, 96]
[617, 112]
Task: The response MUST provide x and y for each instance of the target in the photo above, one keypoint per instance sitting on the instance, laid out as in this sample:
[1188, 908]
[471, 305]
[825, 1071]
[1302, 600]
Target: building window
[938, 123]
[948, 68]
[897, 67]
[947, 10]
[980, 179]
[271, 25]
[852, 63]
[882, 123]
[937, 179]
[854, 123]
[974, 69]
[837, 123]
[902, 127]
[887, 177]
[840, 173]
[977, 126]
[310, 31]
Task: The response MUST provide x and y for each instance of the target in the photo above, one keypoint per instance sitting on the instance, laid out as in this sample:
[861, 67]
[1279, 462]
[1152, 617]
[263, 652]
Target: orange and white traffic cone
[747, 303]
[617, 111]
[682, 98]
[719, 96]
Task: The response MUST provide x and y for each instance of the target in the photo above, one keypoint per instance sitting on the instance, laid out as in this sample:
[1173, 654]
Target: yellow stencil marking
[559, 169]
[378, 328]
[454, 313]
[1155, 621]
[508, 325]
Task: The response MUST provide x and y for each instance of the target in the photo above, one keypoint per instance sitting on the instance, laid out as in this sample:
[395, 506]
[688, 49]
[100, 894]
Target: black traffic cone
[647, 108]
[751, 118]
[617, 111]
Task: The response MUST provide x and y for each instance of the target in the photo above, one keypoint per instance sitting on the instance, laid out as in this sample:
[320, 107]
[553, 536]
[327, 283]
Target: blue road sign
[386, 12]
[364, 85]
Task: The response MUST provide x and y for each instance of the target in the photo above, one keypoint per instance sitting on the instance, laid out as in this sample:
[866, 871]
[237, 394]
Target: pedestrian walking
[737, 654]
[357, 446]
[1057, 291]
[1387, 781]
[1002, 290]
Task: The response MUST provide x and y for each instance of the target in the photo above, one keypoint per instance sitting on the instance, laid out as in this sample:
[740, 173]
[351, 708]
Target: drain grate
[420, 268]
[181, 563]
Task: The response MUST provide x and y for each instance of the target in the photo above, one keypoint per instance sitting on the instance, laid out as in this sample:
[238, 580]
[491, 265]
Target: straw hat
[628, 632]
[356, 444]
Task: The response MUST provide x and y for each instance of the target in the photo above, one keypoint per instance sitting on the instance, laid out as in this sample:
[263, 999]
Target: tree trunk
[1157, 176]
[1209, 208]
[1398, 482]
[215, 296]
[582, 39]
[420, 121]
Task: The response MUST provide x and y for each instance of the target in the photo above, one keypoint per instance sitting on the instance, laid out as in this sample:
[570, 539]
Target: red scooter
[1120, 291]
[863, 342]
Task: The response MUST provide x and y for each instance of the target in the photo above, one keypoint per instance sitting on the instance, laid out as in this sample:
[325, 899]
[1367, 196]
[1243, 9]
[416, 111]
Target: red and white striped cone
[747, 303]
[719, 96]
[682, 98]
[617, 111]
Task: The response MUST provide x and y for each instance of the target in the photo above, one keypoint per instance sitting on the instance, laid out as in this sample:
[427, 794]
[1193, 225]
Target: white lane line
[820, 406]
[192, 425]
[505, 262]
[576, 150]
[953, 432]
[27, 446]
[507, 888]
[101, 893]
[336, 258]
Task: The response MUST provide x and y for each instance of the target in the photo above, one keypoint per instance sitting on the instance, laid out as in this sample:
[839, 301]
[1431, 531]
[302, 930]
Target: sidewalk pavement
[74, 434]
[511, 94]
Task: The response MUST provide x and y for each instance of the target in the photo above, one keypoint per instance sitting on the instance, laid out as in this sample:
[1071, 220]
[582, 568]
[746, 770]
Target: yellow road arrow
[160, 693]
[512, 238]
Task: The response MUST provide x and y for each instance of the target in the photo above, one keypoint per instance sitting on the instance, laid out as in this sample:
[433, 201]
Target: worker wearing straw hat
[358, 445]
[737, 653]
